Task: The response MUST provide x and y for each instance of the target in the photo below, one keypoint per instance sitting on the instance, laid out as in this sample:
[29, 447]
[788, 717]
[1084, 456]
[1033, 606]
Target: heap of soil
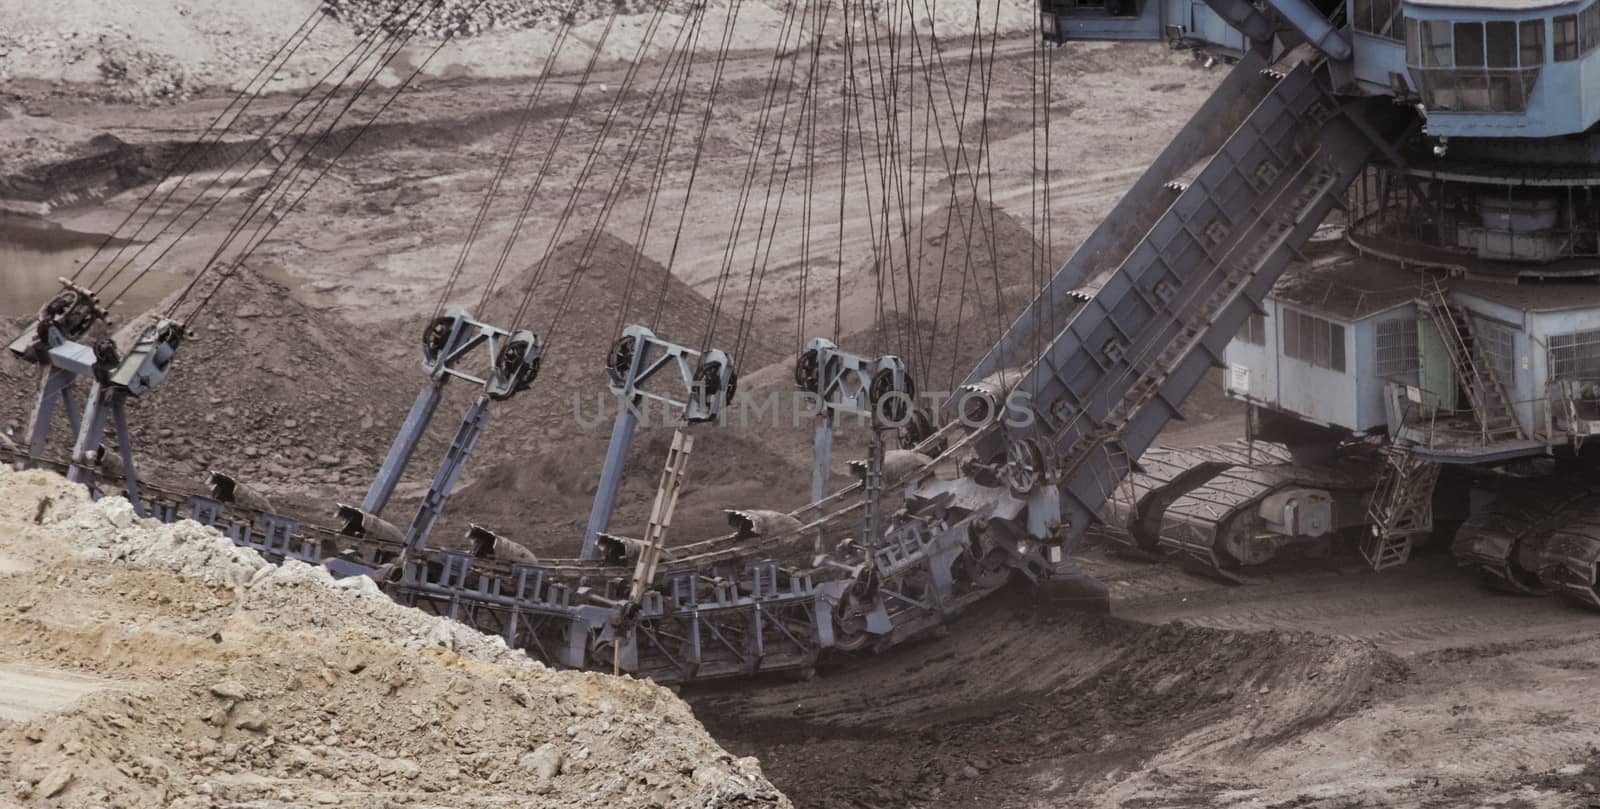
[972, 271]
[543, 501]
[536, 475]
[234, 682]
[280, 393]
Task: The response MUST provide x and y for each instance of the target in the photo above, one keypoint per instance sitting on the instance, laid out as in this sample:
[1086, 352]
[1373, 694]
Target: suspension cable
[659, 172]
[283, 175]
[262, 235]
[677, 58]
[245, 97]
[747, 181]
[700, 145]
[542, 266]
[549, 160]
[757, 278]
[359, 52]
[504, 167]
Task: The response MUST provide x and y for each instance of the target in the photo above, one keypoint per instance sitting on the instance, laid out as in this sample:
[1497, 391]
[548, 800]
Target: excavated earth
[156, 666]
[149, 665]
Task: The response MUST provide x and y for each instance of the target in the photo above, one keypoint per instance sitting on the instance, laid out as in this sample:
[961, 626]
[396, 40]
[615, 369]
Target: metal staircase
[1491, 406]
[1401, 508]
[1121, 368]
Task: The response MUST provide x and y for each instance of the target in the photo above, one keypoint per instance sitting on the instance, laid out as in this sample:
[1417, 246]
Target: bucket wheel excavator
[1351, 119]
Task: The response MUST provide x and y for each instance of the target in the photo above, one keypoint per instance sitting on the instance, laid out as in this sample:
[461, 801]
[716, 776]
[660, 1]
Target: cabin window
[1501, 41]
[1476, 66]
[1313, 340]
[1397, 349]
[1566, 37]
[1532, 43]
[1589, 28]
[1469, 44]
[1575, 356]
[1436, 43]
[1253, 330]
[1378, 17]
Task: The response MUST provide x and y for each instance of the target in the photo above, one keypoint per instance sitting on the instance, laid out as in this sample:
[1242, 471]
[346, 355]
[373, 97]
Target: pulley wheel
[1024, 466]
[888, 401]
[620, 360]
[917, 428]
[806, 370]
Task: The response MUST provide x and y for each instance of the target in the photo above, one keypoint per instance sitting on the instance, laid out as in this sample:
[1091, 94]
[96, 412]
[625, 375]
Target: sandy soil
[149, 665]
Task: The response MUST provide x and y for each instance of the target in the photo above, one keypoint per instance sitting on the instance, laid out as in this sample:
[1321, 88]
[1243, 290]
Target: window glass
[1435, 43]
[1469, 44]
[1379, 17]
[1253, 330]
[1386, 18]
[1313, 340]
[1361, 14]
[1566, 37]
[1501, 43]
[1589, 27]
[1532, 43]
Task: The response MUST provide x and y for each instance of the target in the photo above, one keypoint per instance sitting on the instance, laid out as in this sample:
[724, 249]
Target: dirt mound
[972, 269]
[281, 393]
[536, 475]
[1042, 704]
[575, 361]
[241, 683]
[543, 501]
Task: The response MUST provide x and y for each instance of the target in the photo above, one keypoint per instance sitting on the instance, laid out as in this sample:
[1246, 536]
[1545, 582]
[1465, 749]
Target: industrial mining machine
[1380, 226]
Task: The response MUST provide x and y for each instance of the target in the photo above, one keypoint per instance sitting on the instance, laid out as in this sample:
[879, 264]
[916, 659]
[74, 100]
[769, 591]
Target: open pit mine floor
[129, 680]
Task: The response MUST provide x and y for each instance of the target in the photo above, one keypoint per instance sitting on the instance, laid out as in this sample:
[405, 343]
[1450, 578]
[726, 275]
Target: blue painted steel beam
[403, 447]
[605, 496]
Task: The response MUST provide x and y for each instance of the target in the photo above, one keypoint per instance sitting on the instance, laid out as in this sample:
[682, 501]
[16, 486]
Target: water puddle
[35, 252]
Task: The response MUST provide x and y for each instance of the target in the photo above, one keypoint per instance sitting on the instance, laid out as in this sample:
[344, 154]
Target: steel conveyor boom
[1109, 382]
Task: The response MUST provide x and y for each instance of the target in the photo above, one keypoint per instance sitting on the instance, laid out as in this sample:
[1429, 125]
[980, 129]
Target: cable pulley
[516, 367]
[892, 392]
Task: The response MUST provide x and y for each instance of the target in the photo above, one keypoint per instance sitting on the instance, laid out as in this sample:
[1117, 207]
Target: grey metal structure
[1156, 296]
[51, 343]
[509, 365]
[643, 368]
[848, 384]
[146, 366]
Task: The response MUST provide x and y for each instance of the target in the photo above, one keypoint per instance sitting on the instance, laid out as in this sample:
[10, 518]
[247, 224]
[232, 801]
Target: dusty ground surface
[177, 670]
[1308, 688]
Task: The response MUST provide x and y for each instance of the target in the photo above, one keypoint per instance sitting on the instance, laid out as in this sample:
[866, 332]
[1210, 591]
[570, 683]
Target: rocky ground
[176, 670]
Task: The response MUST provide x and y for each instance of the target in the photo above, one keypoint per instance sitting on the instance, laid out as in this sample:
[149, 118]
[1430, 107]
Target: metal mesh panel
[1397, 349]
[1575, 356]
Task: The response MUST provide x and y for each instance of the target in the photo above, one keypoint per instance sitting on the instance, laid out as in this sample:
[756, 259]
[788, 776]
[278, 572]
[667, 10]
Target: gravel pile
[196, 676]
[471, 17]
